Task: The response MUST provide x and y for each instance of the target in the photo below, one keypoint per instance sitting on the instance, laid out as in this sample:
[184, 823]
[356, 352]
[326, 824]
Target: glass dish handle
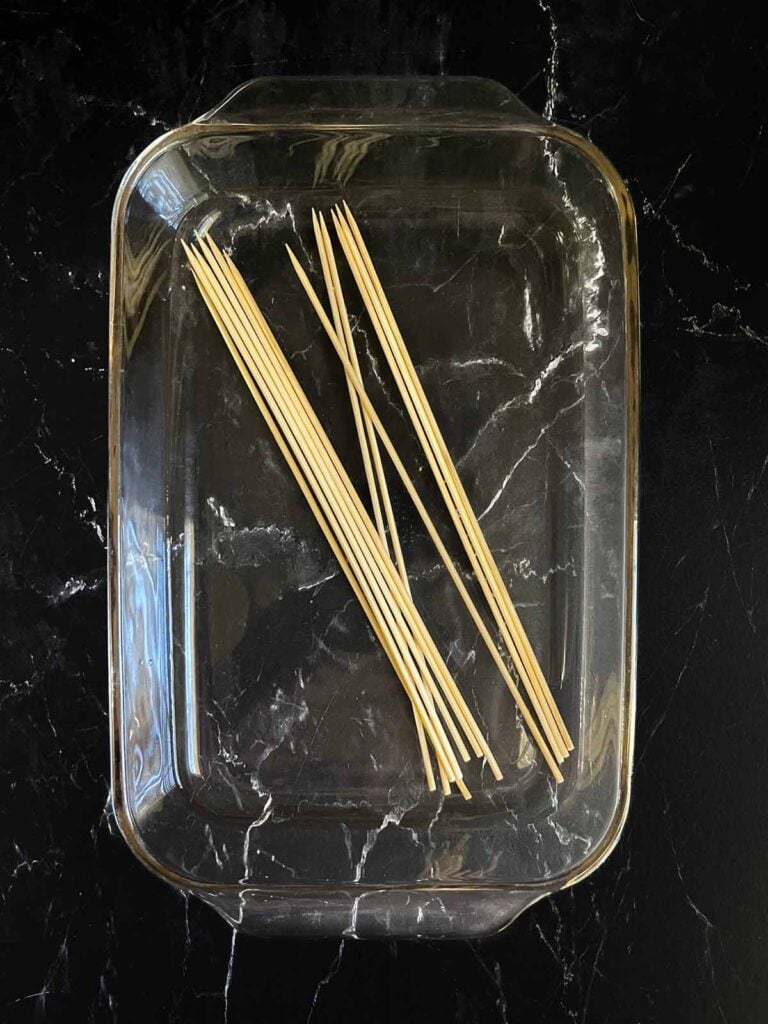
[369, 100]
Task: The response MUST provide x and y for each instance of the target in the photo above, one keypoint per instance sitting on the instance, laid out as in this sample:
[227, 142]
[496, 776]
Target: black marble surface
[675, 925]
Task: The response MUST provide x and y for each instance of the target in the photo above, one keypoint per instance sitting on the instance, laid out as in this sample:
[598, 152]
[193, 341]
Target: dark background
[675, 925]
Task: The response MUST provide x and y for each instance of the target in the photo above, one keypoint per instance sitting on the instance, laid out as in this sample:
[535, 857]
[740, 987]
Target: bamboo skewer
[442, 477]
[371, 557]
[427, 520]
[293, 427]
[224, 327]
[381, 634]
[374, 470]
[344, 522]
[402, 600]
[390, 645]
[452, 489]
[507, 604]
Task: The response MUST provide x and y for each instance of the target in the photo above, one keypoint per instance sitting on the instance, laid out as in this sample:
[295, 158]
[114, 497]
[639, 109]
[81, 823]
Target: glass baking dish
[264, 755]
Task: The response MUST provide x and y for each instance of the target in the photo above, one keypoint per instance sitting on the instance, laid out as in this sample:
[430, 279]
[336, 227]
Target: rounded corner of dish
[607, 843]
[137, 844]
[141, 163]
[604, 167]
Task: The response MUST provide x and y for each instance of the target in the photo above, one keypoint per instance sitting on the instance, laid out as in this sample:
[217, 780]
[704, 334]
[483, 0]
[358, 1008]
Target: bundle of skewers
[367, 544]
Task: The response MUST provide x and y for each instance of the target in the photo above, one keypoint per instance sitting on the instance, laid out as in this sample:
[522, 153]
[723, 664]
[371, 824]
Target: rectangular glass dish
[264, 755]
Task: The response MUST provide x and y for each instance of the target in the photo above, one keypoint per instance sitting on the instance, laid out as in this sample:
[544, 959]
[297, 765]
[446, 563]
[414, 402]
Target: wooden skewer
[212, 301]
[436, 664]
[453, 491]
[281, 406]
[445, 475]
[550, 732]
[291, 427]
[490, 563]
[361, 519]
[443, 754]
[427, 520]
[457, 739]
[374, 471]
[403, 633]
[442, 477]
